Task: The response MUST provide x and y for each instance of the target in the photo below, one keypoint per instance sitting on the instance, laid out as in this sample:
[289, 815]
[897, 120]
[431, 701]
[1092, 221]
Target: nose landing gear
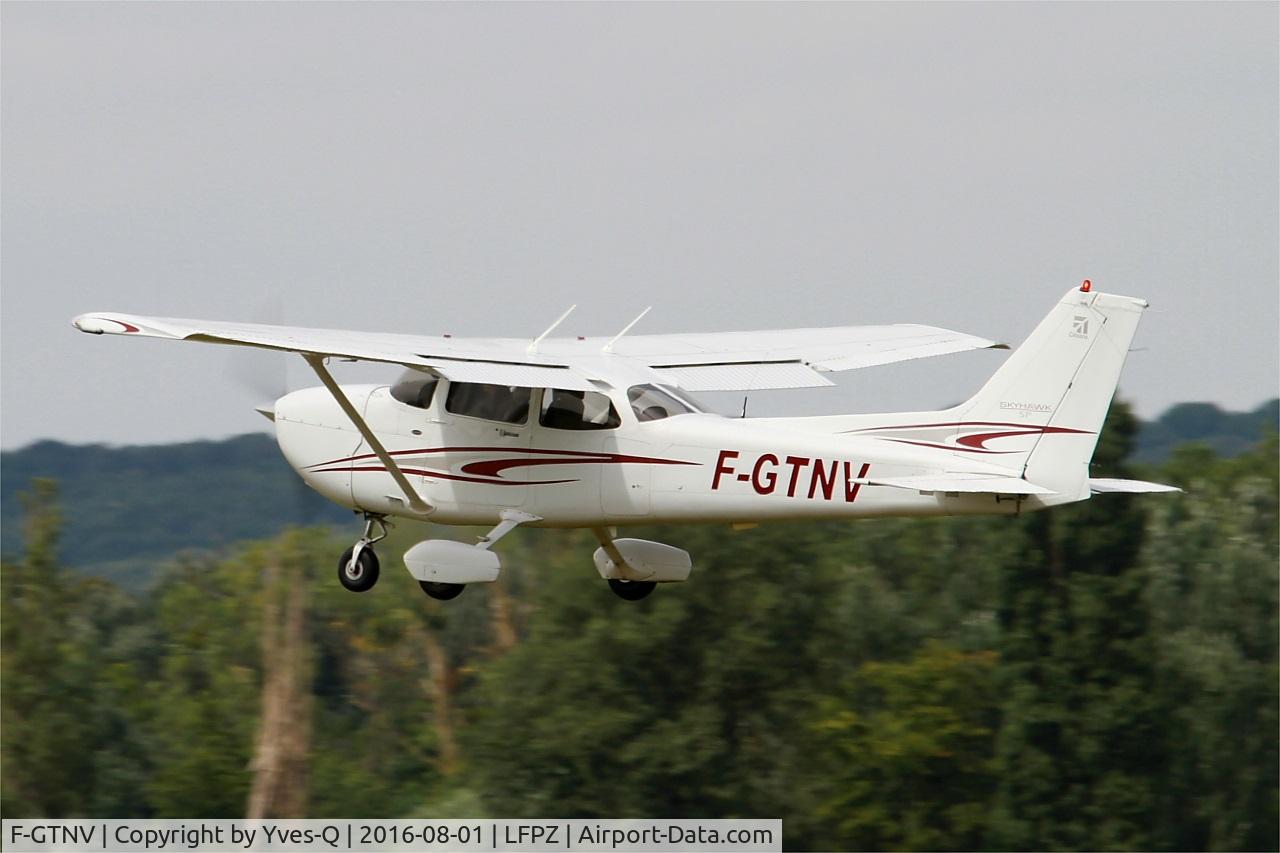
[358, 568]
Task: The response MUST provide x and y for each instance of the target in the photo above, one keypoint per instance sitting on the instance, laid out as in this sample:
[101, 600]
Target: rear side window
[563, 409]
[504, 403]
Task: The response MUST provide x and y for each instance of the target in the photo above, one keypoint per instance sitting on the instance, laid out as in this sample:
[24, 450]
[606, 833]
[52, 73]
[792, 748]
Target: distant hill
[1227, 433]
[130, 508]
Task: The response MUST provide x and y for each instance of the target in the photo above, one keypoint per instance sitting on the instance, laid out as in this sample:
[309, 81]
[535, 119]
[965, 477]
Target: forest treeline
[206, 495]
[1099, 676]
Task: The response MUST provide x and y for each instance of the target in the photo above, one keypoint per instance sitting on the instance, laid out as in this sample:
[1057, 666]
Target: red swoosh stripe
[971, 424]
[489, 471]
[581, 456]
[444, 475]
[974, 442]
[979, 440]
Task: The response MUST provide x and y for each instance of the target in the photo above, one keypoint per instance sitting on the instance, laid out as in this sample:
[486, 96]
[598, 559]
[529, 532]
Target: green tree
[1212, 590]
[687, 703]
[1080, 755]
[908, 753]
[49, 662]
[203, 696]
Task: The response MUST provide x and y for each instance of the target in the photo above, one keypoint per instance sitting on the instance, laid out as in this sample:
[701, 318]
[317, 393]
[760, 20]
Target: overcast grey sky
[476, 168]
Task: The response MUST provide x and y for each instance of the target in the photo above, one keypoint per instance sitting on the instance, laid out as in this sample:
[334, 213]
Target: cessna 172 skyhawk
[596, 433]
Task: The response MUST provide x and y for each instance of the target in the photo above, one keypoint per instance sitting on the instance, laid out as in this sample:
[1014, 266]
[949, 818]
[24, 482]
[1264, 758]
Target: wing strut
[317, 364]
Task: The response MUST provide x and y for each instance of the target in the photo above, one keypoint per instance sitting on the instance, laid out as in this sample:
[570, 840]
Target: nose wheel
[358, 567]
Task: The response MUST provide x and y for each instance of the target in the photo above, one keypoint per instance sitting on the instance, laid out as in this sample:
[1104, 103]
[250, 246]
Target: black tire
[366, 570]
[631, 590]
[442, 591]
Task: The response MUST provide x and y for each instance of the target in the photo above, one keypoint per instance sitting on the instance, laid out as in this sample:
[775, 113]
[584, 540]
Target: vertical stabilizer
[1053, 393]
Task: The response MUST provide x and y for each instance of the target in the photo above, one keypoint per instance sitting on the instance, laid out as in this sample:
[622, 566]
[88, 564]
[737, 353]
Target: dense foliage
[129, 509]
[1100, 676]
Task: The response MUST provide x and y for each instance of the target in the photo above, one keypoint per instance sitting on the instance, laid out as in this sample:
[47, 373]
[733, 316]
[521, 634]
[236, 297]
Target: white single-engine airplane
[596, 433]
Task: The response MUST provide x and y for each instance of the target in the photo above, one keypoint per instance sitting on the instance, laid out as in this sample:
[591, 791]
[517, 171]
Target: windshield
[415, 388]
[652, 403]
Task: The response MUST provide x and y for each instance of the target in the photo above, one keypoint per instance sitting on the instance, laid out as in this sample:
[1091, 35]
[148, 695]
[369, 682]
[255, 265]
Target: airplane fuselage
[695, 467]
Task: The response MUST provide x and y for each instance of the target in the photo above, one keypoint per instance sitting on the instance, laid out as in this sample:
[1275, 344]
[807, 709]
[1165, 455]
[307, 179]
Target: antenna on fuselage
[533, 347]
[609, 346]
[749, 389]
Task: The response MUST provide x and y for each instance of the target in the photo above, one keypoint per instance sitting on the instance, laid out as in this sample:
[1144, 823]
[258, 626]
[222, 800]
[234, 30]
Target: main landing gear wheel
[631, 590]
[361, 575]
[442, 591]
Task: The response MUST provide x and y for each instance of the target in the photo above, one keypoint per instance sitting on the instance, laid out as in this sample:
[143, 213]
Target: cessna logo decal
[791, 475]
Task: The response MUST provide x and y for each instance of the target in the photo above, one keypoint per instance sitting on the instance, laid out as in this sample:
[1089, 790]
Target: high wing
[716, 361]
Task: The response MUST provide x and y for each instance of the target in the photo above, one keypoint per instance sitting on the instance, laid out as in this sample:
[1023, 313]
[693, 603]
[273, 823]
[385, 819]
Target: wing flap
[523, 375]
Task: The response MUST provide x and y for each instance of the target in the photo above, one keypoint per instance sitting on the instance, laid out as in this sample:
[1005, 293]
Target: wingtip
[94, 324]
[87, 324]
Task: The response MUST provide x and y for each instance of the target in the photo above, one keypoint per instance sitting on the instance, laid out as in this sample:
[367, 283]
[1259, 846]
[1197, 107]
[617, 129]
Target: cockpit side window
[652, 403]
[415, 388]
[562, 409]
[508, 404]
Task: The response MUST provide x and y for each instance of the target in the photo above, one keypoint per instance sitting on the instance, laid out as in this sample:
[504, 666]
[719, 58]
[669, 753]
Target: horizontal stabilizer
[1106, 486]
[972, 483]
